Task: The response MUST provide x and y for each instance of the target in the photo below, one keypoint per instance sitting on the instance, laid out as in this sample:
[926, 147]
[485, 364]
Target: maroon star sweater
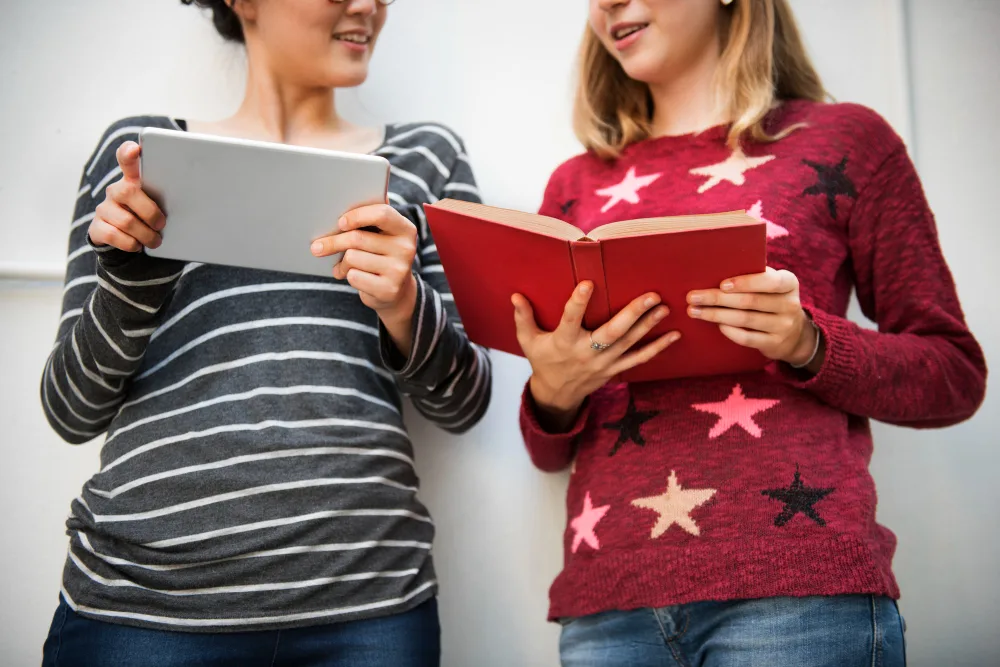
[757, 485]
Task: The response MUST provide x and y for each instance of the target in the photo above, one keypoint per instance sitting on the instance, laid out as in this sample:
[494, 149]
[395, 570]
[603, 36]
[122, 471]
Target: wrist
[808, 345]
[400, 313]
[555, 410]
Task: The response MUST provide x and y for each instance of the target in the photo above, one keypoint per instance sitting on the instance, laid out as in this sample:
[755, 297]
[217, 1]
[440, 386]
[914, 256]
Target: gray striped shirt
[256, 471]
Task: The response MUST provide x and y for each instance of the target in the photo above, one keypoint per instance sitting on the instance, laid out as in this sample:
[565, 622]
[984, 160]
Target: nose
[362, 7]
[611, 5]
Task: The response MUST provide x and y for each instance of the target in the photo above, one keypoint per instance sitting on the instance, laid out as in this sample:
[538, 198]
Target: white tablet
[251, 203]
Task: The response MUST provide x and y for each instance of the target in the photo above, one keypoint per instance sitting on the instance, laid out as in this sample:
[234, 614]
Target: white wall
[938, 490]
[66, 72]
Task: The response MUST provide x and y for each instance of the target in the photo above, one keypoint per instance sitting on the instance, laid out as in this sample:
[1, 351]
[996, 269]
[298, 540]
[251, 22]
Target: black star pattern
[567, 206]
[798, 498]
[832, 182]
[629, 427]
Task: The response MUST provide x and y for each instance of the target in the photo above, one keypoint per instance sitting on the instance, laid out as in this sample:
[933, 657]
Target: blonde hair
[763, 63]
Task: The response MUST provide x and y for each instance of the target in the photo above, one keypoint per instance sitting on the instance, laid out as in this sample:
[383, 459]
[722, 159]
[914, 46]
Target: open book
[490, 253]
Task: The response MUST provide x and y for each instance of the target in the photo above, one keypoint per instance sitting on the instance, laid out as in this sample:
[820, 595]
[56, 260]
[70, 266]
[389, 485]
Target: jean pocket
[902, 628]
[889, 633]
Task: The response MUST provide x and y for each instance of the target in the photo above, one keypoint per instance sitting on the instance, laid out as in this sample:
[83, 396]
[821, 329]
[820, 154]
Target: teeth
[356, 39]
[625, 32]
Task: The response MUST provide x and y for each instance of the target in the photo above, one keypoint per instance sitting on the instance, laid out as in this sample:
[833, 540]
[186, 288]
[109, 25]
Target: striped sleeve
[111, 300]
[448, 377]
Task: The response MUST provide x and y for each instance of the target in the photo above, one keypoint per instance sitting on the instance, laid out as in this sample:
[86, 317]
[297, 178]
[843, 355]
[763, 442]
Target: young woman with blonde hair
[731, 520]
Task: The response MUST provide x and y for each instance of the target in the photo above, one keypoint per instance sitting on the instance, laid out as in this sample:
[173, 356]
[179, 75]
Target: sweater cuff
[133, 265]
[425, 327]
[839, 371]
[531, 426]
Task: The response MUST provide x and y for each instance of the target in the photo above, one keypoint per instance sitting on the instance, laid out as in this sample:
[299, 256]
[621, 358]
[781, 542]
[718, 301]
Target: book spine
[588, 264]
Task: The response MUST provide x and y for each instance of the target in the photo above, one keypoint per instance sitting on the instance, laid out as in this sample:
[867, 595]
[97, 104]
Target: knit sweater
[757, 485]
[256, 471]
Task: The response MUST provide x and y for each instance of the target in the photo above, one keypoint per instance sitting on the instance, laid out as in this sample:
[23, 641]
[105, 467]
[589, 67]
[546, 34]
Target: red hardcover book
[490, 254]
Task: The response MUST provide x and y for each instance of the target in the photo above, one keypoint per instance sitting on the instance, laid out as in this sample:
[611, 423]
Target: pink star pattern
[627, 190]
[737, 409]
[731, 169]
[674, 506]
[583, 525]
[774, 230]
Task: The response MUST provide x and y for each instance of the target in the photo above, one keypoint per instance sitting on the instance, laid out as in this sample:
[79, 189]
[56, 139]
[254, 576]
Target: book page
[679, 223]
[532, 222]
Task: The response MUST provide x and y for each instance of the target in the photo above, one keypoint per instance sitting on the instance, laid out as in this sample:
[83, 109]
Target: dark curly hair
[226, 22]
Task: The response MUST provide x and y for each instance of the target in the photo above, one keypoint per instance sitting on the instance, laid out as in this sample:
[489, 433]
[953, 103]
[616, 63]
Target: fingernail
[649, 302]
[316, 247]
[727, 286]
[660, 314]
[585, 289]
[674, 336]
[695, 312]
[696, 298]
[342, 223]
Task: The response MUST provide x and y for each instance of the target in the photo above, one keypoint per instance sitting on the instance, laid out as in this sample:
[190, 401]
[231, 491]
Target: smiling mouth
[621, 33]
[354, 38]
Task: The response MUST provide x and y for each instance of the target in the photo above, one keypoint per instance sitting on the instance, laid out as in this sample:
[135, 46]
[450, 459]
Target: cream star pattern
[732, 170]
[774, 230]
[584, 524]
[675, 506]
[627, 190]
[736, 410]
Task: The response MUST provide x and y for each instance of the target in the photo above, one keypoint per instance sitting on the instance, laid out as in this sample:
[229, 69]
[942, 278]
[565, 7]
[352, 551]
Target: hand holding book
[570, 363]
[763, 311]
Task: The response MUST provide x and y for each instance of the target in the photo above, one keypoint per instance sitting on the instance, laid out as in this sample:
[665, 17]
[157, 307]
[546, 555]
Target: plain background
[498, 73]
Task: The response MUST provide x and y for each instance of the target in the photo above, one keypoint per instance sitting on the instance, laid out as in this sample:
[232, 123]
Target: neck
[687, 103]
[275, 110]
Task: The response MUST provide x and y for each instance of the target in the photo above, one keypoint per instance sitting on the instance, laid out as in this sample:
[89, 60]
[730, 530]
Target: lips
[623, 30]
[625, 34]
[353, 37]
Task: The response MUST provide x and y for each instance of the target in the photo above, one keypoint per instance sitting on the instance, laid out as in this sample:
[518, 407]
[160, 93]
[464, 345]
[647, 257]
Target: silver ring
[600, 347]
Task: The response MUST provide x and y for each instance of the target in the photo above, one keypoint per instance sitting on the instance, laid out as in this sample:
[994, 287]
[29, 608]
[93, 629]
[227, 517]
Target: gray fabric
[256, 472]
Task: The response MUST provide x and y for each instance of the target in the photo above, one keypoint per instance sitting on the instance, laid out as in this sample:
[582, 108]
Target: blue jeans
[410, 639]
[841, 631]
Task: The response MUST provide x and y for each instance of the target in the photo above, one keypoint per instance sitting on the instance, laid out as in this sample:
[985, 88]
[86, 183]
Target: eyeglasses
[384, 3]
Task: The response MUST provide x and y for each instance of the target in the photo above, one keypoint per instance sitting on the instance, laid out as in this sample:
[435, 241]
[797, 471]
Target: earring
[726, 3]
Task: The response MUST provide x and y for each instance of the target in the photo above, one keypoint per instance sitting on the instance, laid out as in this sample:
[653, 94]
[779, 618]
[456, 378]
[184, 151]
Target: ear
[245, 9]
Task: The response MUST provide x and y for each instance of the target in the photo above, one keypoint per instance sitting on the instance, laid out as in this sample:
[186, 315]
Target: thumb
[524, 320]
[128, 160]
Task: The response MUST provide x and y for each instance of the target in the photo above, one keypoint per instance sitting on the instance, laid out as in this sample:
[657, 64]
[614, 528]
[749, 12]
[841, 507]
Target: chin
[644, 69]
[345, 76]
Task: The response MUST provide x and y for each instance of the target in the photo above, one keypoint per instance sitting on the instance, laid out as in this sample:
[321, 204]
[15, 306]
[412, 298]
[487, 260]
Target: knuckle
[747, 301]
[126, 189]
[128, 222]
